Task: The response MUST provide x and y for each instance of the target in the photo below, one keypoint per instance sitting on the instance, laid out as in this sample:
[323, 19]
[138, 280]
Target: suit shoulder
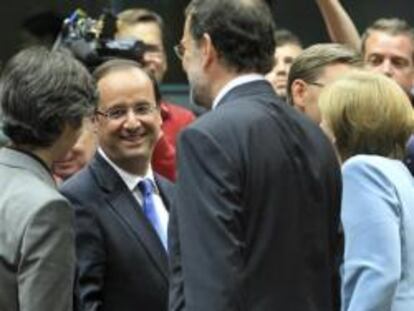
[79, 185]
[374, 167]
[25, 188]
[166, 185]
[228, 116]
[24, 196]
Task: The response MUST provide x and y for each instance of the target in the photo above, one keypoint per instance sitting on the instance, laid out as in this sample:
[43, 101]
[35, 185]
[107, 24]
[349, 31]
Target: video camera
[92, 41]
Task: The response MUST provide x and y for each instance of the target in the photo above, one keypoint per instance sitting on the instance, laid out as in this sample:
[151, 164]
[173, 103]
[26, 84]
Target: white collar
[246, 78]
[131, 180]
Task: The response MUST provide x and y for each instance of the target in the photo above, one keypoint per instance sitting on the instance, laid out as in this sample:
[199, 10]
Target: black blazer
[255, 222]
[122, 264]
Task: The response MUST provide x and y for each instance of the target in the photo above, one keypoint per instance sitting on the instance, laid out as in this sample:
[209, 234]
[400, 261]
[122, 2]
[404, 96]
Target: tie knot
[146, 187]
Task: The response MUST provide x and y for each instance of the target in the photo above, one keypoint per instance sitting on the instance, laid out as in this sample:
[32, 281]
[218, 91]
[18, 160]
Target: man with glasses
[313, 69]
[254, 224]
[147, 26]
[121, 206]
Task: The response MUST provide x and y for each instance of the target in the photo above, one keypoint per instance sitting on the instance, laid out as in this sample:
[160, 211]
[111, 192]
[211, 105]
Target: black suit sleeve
[206, 240]
[91, 257]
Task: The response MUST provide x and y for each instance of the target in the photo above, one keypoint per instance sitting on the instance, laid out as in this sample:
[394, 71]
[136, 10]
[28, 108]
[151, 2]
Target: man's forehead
[334, 71]
[124, 77]
[383, 42]
[146, 31]
[289, 48]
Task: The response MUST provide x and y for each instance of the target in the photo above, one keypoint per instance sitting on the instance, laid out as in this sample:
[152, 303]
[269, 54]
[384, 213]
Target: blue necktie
[147, 189]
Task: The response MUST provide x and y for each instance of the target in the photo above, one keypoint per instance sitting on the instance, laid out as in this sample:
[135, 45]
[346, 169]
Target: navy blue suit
[254, 225]
[122, 264]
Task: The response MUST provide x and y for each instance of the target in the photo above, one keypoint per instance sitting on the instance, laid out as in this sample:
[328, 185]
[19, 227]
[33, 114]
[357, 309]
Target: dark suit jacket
[255, 222]
[122, 264]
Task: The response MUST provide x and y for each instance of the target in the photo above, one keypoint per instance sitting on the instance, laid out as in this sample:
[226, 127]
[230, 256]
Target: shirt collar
[131, 180]
[243, 79]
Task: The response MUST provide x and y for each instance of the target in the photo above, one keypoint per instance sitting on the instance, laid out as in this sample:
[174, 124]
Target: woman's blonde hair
[367, 113]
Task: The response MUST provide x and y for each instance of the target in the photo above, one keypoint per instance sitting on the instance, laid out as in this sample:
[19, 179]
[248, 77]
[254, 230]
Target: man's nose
[281, 68]
[131, 120]
[386, 68]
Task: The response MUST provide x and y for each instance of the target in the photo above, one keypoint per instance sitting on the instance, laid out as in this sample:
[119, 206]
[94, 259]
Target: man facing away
[256, 215]
[121, 206]
[44, 98]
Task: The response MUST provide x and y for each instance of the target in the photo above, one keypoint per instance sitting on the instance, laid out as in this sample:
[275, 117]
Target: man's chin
[138, 152]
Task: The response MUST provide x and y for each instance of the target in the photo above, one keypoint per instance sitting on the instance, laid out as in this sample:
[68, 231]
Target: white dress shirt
[243, 79]
[132, 180]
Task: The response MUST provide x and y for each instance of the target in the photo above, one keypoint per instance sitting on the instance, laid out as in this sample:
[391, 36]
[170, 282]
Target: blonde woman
[370, 118]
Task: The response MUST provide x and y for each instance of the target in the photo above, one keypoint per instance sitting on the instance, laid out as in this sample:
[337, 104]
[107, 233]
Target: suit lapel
[125, 206]
[166, 190]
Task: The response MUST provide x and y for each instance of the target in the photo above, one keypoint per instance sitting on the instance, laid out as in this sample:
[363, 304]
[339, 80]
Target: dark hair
[42, 91]
[284, 37]
[119, 64]
[241, 32]
[311, 63]
[391, 26]
[43, 24]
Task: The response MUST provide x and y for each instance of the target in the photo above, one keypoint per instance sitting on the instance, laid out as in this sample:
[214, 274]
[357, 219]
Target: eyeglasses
[179, 50]
[120, 113]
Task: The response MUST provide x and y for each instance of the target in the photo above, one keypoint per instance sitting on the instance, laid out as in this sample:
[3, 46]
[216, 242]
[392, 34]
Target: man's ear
[208, 51]
[299, 90]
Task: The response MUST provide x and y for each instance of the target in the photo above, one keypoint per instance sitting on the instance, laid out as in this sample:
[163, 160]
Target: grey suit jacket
[37, 255]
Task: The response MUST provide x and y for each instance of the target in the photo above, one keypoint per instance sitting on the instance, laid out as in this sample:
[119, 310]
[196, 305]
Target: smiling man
[148, 26]
[120, 204]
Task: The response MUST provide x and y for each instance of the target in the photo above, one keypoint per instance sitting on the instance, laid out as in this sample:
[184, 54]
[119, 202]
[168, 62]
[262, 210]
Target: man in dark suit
[254, 225]
[120, 204]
